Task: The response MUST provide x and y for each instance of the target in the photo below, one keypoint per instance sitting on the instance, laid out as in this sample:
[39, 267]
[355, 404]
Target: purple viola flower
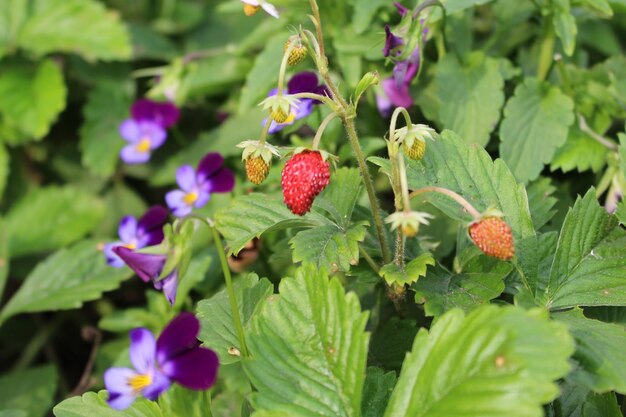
[393, 95]
[164, 114]
[137, 234]
[196, 186]
[391, 42]
[303, 82]
[148, 268]
[176, 356]
[142, 137]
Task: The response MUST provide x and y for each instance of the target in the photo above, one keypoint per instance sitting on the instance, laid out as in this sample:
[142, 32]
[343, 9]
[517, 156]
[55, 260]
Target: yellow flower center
[190, 198]
[131, 246]
[139, 382]
[290, 118]
[143, 145]
[249, 9]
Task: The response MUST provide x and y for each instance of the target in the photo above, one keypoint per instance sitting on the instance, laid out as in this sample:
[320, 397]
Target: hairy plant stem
[546, 51]
[456, 197]
[283, 68]
[319, 97]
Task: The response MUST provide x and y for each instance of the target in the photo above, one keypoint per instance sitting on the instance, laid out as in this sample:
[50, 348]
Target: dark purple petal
[401, 9]
[322, 90]
[160, 383]
[196, 369]
[303, 82]
[210, 164]
[178, 337]
[121, 394]
[223, 181]
[150, 225]
[391, 41]
[127, 230]
[398, 95]
[142, 350]
[165, 114]
[146, 266]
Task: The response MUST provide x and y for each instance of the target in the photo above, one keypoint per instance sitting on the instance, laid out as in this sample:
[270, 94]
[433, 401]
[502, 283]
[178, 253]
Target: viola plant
[382, 209]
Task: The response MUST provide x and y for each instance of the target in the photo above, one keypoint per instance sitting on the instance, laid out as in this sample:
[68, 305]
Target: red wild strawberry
[494, 237]
[305, 175]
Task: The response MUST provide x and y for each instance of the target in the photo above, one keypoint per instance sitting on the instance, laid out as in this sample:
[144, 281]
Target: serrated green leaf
[599, 352]
[217, 329]
[620, 212]
[31, 391]
[53, 25]
[262, 214]
[579, 152]
[341, 195]
[376, 391]
[494, 361]
[65, 280]
[540, 201]
[589, 267]
[308, 349]
[411, 272]
[4, 168]
[564, 25]
[578, 401]
[472, 95]
[91, 404]
[536, 123]
[31, 101]
[62, 215]
[107, 106]
[481, 280]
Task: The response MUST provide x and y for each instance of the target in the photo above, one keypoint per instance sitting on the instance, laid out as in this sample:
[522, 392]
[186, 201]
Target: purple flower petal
[222, 181]
[401, 9]
[127, 230]
[210, 164]
[176, 202]
[273, 92]
[165, 114]
[153, 132]
[186, 178]
[391, 41]
[112, 258]
[121, 394]
[129, 131]
[385, 107]
[146, 266]
[178, 337]
[196, 369]
[170, 286]
[304, 108]
[160, 383]
[398, 95]
[131, 155]
[142, 350]
[322, 90]
[150, 226]
[303, 82]
[275, 127]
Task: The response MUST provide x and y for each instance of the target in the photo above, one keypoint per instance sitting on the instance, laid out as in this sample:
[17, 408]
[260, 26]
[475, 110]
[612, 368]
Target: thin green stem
[546, 51]
[318, 29]
[456, 197]
[320, 130]
[265, 130]
[406, 201]
[283, 68]
[207, 403]
[368, 259]
[394, 121]
[325, 99]
[582, 125]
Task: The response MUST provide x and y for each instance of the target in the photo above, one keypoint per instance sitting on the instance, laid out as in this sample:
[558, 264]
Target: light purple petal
[165, 114]
[272, 92]
[196, 369]
[150, 226]
[175, 201]
[131, 155]
[270, 9]
[203, 197]
[398, 95]
[129, 131]
[186, 178]
[384, 104]
[222, 181]
[146, 266]
[303, 82]
[210, 164]
[153, 132]
[160, 383]
[142, 350]
[127, 229]
[178, 337]
[304, 109]
[170, 286]
[112, 258]
[274, 127]
[121, 394]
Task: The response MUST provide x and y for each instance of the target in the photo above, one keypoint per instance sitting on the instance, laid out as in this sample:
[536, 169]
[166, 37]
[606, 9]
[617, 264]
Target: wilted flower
[196, 186]
[408, 221]
[176, 356]
[137, 234]
[250, 7]
[303, 82]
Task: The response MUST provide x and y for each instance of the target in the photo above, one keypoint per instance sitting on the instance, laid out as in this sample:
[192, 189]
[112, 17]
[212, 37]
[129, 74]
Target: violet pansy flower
[196, 186]
[175, 357]
[303, 82]
[137, 234]
[142, 137]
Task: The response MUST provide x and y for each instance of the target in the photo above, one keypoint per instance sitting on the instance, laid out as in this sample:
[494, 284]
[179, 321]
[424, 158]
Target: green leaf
[31, 101]
[31, 391]
[308, 349]
[62, 215]
[376, 391]
[456, 5]
[4, 168]
[564, 25]
[217, 329]
[214, 75]
[106, 108]
[364, 12]
[589, 267]
[4, 255]
[578, 401]
[261, 214]
[149, 44]
[481, 280]
[12, 15]
[92, 404]
[473, 96]
[580, 152]
[599, 352]
[620, 213]
[601, 7]
[390, 343]
[329, 246]
[53, 25]
[412, 271]
[341, 195]
[494, 361]
[540, 201]
[65, 280]
[536, 123]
